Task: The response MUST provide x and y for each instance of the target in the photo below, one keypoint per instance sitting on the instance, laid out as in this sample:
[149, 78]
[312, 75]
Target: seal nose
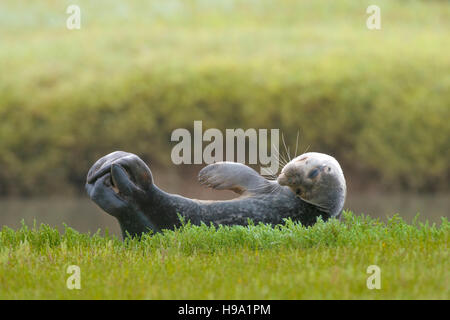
[282, 179]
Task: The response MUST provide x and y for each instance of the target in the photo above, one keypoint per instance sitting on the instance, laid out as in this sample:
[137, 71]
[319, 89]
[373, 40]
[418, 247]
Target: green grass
[328, 260]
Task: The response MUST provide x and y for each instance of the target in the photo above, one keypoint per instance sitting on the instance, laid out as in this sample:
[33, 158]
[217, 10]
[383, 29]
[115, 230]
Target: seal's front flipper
[233, 176]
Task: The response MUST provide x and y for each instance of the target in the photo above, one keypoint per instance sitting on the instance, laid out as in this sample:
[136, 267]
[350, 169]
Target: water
[84, 216]
[79, 213]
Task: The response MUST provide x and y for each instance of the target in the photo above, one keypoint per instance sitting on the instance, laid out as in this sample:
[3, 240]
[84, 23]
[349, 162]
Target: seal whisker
[307, 148]
[276, 188]
[280, 162]
[281, 159]
[277, 154]
[288, 154]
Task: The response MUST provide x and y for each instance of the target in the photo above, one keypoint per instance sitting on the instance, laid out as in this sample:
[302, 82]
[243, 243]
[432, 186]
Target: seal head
[318, 179]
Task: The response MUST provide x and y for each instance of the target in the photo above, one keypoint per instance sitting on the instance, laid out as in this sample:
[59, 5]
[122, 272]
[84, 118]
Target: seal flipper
[233, 176]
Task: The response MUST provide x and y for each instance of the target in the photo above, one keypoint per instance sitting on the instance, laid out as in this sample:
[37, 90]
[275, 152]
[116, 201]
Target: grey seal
[309, 186]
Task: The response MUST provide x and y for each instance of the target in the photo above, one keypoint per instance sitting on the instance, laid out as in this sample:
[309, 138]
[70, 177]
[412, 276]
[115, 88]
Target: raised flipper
[233, 176]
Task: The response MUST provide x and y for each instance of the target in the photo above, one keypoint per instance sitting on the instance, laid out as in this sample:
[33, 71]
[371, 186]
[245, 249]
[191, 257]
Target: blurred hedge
[392, 121]
[379, 102]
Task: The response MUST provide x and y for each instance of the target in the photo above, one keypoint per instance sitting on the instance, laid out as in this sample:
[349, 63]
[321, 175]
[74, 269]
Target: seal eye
[313, 173]
[298, 191]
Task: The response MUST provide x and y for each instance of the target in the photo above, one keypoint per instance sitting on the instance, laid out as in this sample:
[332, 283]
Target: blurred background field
[379, 101]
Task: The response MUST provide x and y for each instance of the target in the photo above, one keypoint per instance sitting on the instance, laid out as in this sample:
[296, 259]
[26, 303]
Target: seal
[309, 186]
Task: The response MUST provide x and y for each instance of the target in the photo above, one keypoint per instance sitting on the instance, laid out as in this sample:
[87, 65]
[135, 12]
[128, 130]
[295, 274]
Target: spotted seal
[309, 186]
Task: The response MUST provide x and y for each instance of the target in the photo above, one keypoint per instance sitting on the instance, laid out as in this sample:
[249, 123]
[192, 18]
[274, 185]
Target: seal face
[316, 178]
[309, 186]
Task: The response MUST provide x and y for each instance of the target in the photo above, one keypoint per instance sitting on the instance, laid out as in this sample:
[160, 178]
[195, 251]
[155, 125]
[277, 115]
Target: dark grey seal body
[122, 185]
